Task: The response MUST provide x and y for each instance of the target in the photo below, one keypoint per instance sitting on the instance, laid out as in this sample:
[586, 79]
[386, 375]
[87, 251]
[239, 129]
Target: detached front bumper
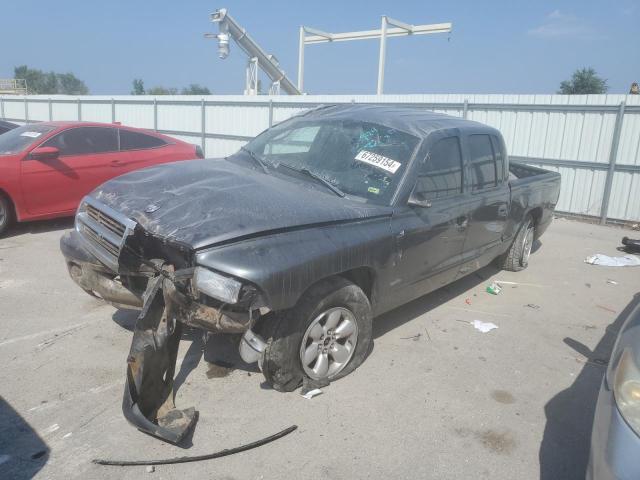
[164, 297]
[92, 276]
[615, 448]
[96, 278]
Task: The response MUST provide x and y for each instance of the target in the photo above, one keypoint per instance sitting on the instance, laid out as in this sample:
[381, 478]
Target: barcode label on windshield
[379, 161]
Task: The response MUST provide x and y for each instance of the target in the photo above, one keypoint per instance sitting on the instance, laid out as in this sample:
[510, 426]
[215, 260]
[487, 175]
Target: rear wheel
[6, 213]
[324, 337]
[517, 257]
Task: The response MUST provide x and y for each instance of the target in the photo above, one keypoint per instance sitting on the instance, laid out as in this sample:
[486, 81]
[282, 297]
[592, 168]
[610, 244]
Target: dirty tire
[281, 363]
[6, 214]
[517, 257]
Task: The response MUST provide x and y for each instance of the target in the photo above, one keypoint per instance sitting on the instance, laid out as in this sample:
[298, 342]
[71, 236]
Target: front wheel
[324, 337]
[517, 257]
[6, 214]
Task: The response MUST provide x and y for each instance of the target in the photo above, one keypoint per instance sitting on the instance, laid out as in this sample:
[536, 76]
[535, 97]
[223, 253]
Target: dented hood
[205, 202]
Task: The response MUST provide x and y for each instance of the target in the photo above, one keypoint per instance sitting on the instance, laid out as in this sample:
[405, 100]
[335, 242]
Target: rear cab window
[499, 153]
[138, 141]
[483, 170]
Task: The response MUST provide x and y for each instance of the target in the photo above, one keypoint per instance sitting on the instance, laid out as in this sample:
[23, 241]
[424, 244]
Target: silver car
[615, 440]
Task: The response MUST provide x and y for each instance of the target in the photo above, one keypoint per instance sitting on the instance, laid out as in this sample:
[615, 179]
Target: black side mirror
[417, 200]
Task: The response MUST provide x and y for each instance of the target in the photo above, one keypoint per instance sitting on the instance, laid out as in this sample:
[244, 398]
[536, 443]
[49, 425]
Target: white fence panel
[574, 135]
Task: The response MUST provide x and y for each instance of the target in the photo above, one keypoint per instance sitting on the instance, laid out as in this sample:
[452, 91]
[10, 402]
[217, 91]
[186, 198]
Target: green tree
[138, 87]
[43, 83]
[196, 89]
[583, 82]
[162, 91]
[38, 82]
[69, 84]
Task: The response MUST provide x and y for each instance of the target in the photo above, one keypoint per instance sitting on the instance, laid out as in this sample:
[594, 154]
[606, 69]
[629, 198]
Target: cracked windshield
[361, 159]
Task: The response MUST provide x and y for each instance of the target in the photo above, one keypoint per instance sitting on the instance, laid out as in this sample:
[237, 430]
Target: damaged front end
[114, 258]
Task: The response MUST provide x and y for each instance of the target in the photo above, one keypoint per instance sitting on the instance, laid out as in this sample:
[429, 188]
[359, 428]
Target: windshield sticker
[373, 190]
[379, 161]
[31, 134]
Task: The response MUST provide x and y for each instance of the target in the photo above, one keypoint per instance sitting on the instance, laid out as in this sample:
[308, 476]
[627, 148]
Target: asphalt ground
[436, 398]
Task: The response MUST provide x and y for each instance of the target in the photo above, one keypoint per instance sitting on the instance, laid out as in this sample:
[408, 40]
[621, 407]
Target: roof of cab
[416, 121]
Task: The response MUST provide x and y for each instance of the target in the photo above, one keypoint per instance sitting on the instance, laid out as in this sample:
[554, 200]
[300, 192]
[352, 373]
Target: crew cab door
[88, 156]
[430, 238]
[489, 198]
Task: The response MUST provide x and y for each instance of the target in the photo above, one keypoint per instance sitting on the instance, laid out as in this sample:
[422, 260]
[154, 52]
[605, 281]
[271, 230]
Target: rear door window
[138, 141]
[85, 141]
[482, 162]
[441, 173]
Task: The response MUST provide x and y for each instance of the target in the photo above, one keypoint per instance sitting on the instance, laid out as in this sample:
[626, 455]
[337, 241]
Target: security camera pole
[397, 29]
[258, 58]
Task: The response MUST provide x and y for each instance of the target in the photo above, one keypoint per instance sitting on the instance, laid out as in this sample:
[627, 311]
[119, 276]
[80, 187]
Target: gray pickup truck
[300, 239]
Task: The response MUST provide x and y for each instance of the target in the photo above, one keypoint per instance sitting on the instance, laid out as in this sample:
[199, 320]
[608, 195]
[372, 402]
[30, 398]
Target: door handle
[116, 163]
[502, 211]
[462, 222]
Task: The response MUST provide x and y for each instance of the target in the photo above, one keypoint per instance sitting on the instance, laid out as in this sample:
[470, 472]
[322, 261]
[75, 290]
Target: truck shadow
[564, 451]
[401, 315]
[22, 452]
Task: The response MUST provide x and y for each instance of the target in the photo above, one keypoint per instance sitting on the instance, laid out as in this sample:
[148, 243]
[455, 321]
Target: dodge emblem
[151, 208]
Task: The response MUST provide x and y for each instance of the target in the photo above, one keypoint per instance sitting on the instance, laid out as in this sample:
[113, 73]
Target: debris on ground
[533, 306]
[415, 337]
[427, 332]
[311, 393]
[467, 301]
[611, 282]
[608, 309]
[197, 458]
[484, 327]
[631, 245]
[588, 285]
[607, 261]
[516, 284]
[151, 469]
[494, 288]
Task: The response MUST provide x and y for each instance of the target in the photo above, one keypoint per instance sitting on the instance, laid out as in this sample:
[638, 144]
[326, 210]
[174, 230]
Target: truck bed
[532, 189]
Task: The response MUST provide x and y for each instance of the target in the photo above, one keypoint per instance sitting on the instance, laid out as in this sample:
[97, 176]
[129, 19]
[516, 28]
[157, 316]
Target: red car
[46, 168]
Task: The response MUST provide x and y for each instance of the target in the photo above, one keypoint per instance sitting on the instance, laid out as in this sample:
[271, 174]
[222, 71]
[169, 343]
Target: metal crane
[229, 28]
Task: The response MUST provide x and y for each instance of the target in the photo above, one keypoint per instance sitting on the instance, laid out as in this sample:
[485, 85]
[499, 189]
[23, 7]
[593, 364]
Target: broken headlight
[218, 286]
[626, 389]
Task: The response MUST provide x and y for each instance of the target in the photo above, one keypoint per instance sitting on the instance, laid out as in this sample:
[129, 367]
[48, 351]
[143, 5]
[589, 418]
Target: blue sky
[495, 47]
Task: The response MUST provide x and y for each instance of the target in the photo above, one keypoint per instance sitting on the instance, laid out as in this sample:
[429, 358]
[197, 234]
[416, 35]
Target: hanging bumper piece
[148, 401]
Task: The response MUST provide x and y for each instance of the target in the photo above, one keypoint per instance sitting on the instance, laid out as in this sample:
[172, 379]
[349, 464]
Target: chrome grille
[106, 221]
[112, 249]
[104, 229]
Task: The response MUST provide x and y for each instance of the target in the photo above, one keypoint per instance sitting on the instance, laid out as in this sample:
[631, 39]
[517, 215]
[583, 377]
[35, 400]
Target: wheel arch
[363, 277]
[536, 215]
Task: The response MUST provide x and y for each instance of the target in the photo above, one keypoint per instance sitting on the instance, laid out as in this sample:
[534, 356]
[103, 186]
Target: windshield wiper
[309, 173]
[256, 158]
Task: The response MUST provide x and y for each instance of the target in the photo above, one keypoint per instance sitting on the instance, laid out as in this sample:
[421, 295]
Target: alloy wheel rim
[328, 343]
